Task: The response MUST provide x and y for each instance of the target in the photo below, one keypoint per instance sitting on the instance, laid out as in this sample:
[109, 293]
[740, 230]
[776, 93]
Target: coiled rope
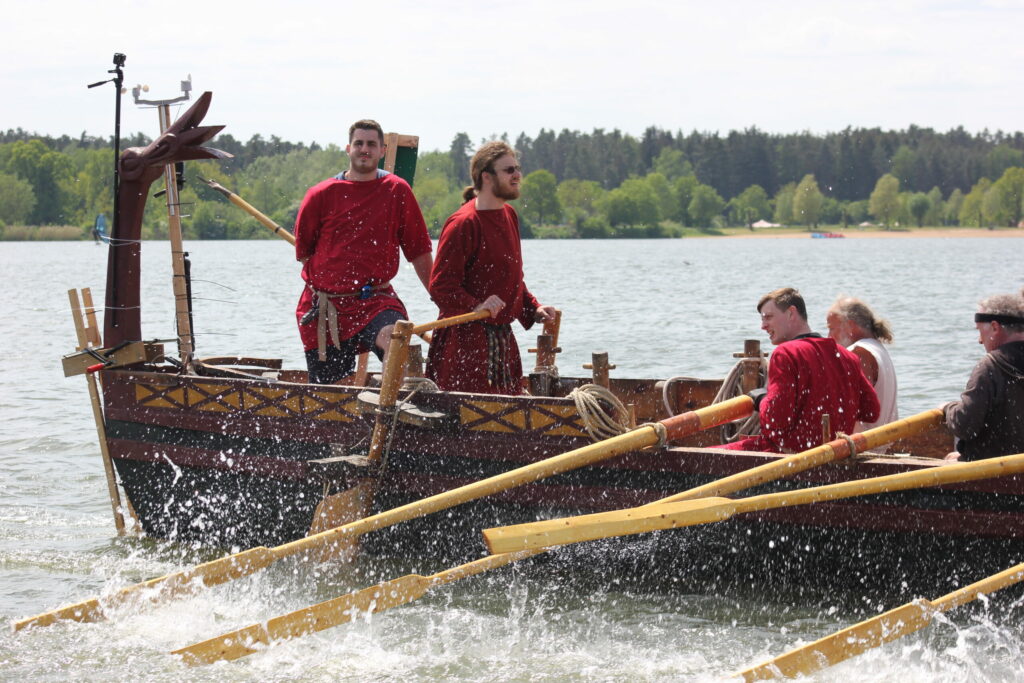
[603, 414]
[592, 403]
[731, 431]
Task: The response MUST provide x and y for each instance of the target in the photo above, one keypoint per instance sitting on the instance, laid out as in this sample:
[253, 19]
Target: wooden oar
[869, 634]
[251, 210]
[691, 513]
[340, 610]
[408, 588]
[255, 559]
[838, 449]
[405, 589]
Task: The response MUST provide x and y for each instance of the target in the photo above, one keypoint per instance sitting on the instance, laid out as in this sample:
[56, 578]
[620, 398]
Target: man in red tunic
[479, 266]
[347, 235]
[808, 376]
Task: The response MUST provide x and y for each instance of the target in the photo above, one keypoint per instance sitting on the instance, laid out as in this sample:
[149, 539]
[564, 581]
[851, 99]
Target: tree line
[599, 184]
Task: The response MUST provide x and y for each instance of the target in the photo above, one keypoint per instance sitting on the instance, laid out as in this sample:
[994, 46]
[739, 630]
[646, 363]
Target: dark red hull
[240, 462]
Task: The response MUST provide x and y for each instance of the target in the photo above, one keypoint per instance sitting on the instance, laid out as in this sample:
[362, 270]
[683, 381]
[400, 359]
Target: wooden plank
[136, 352]
[390, 151]
[97, 414]
[244, 361]
[92, 331]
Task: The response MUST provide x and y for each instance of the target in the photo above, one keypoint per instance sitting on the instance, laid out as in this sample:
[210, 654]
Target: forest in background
[597, 184]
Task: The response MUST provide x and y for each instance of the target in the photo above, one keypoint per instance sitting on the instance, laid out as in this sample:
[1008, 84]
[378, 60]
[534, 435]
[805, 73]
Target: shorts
[341, 360]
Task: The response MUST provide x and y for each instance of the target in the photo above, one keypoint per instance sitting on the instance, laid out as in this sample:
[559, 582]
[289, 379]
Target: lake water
[660, 308]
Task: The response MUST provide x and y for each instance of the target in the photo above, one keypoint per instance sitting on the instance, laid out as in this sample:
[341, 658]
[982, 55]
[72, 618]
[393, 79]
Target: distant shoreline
[854, 233]
[62, 234]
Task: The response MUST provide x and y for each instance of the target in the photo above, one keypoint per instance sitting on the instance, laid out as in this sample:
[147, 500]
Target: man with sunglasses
[988, 420]
[479, 266]
[348, 234]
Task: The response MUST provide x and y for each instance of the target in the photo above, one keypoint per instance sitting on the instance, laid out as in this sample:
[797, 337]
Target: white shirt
[885, 385]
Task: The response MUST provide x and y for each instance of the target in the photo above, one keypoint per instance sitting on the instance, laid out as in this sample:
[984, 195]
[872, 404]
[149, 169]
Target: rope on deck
[731, 431]
[603, 414]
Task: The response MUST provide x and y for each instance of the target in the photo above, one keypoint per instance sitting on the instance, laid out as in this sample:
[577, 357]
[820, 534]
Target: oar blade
[308, 620]
[338, 510]
[85, 612]
[844, 644]
[209, 574]
[554, 532]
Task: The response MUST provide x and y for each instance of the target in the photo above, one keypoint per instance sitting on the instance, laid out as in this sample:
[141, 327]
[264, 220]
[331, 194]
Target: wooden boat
[240, 452]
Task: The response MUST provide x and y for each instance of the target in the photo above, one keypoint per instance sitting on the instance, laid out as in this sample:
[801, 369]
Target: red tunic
[351, 232]
[807, 378]
[478, 255]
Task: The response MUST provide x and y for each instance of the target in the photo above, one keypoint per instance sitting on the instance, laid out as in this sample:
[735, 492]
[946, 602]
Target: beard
[505, 191]
[362, 165]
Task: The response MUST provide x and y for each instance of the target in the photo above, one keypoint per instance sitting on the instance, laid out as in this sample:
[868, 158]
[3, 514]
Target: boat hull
[239, 463]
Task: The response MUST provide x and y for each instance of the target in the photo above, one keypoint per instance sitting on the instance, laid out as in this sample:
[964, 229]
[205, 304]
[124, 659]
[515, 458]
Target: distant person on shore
[808, 376]
[852, 323]
[348, 234]
[480, 266]
[988, 420]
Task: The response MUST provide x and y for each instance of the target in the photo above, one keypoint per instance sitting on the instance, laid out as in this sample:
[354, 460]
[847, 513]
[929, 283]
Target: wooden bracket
[80, 362]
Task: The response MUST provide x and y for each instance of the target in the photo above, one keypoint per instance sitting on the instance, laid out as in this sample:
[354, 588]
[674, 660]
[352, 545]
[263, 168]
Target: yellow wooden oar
[255, 559]
[384, 596]
[690, 513]
[405, 589]
[838, 449]
[869, 634]
[251, 210]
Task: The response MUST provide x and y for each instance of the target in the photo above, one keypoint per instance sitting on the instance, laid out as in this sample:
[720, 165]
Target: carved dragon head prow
[138, 168]
[180, 142]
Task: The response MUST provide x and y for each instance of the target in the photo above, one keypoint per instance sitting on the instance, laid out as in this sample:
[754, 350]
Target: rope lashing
[660, 430]
[849, 442]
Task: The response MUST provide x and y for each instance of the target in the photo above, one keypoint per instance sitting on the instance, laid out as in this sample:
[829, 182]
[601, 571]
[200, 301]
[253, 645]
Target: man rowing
[988, 420]
[348, 234]
[809, 376]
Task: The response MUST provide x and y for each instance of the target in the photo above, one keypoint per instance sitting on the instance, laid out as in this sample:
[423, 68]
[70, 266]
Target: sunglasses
[510, 170]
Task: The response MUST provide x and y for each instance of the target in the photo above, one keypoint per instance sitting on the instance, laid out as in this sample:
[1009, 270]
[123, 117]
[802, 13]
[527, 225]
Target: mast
[182, 314]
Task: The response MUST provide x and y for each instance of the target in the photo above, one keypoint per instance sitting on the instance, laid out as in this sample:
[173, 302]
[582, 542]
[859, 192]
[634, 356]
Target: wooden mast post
[750, 379]
[414, 366]
[599, 366]
[547, 344]
[546, 372]
[183, 323]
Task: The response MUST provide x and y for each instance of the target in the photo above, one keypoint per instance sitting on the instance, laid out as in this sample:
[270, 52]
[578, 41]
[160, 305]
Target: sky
[304, 71]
